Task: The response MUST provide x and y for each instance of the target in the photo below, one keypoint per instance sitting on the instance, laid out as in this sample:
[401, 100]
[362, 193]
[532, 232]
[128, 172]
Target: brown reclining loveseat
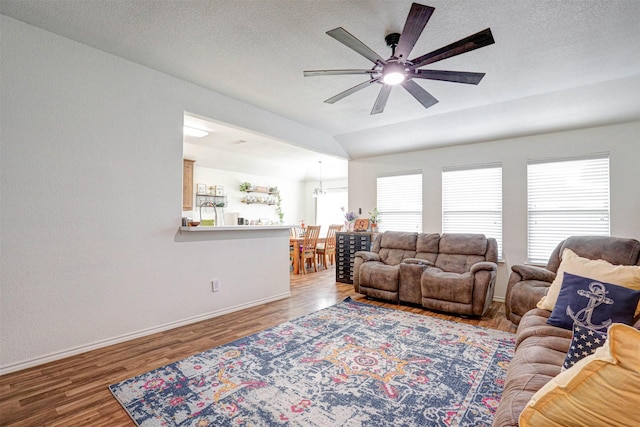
[451, 272]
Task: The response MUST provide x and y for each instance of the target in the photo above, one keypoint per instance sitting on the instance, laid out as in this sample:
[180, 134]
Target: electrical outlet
[215, 285]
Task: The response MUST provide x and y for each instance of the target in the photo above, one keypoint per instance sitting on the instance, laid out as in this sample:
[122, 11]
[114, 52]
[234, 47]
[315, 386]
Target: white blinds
[566, 198]
[400, 202]
[472, 201]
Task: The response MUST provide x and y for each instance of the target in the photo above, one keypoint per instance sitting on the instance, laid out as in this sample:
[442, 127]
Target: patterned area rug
[351, 364]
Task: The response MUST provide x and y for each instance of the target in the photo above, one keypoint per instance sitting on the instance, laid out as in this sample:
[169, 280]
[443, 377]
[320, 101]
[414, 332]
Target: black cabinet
[347, 244]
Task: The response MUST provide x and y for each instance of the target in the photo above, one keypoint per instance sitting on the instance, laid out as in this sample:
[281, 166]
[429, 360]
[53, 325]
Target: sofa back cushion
[427, 246]
[459, 251]
[615, 250]
[394, 246]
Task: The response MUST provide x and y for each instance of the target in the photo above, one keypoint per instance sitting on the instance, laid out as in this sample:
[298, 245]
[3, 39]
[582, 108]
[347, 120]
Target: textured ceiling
[556, 64]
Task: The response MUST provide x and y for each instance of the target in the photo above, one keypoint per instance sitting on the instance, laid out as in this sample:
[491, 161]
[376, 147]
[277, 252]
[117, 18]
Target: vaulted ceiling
[555, 64]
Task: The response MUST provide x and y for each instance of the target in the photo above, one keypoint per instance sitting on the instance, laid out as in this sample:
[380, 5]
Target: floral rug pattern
[351, 364]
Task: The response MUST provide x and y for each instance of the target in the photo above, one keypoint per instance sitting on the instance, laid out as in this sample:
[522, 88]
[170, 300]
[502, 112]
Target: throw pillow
[592, 304]
[622, 275]
[603, 388]
[584, 342]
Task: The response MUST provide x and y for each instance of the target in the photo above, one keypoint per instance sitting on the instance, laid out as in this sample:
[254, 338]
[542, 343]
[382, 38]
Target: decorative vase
[351, 225]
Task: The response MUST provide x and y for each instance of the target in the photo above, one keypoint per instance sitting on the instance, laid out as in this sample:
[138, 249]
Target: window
[566, 198]
[400, 202]
[472, 201]
[328, 208]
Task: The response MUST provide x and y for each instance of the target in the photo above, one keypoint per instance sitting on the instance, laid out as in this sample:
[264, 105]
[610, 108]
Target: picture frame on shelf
[361, 225]
[201, 189]
[219, 190]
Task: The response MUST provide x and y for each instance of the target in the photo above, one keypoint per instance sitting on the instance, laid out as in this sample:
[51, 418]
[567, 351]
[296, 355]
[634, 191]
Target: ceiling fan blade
[348, 92]
[467, 44]
[347, 39]
[311, 73]
[416, 21]
[448, 76]
[381, 100]
[423, 97]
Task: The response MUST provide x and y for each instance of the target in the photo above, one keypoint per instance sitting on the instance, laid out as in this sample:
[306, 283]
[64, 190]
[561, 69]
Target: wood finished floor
[74, 391]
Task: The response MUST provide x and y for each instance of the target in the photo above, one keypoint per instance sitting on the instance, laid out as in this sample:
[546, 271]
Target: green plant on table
[374, 216]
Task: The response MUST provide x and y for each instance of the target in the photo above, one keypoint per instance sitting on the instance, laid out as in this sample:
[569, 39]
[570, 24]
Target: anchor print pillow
[592, 304]
[599, 269]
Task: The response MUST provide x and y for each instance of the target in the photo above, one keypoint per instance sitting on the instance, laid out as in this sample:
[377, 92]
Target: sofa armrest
[531, 272]
[367, 256]
[483, 265]
[417, 261]
[359, 258]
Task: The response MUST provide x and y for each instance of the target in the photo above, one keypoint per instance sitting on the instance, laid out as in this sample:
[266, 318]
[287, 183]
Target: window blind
[472, 201]
[566, 198]
[399, 202]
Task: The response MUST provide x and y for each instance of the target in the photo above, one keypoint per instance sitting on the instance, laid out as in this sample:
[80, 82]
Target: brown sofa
[451, 272]
[540, 352]
[528, 283]
[541, 348]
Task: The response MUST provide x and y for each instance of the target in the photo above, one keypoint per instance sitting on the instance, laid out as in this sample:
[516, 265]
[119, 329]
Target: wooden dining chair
[308, 248]
[327, 250]
[292, 235]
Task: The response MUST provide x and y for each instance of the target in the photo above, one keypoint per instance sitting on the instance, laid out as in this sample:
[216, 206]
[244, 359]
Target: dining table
[296, 242]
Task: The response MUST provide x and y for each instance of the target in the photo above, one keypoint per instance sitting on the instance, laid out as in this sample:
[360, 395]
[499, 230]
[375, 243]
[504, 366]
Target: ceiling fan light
[393, 78]
[393, 73]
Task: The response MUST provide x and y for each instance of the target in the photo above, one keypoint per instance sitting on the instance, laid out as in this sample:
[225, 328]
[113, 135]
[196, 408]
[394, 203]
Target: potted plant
[374, 219]
[245, 186]
[350, 220]
[279, 207]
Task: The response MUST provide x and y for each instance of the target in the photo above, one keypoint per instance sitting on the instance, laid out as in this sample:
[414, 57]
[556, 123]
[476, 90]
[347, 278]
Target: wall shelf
[218, 201]
[264, 200]
[263, 190]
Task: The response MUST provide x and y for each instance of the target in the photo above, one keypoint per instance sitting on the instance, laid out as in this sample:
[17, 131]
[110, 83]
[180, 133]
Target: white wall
[91, 188]
[621, 141]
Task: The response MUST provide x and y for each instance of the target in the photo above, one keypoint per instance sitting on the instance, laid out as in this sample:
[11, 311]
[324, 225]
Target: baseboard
[498, 299]
[133, 335]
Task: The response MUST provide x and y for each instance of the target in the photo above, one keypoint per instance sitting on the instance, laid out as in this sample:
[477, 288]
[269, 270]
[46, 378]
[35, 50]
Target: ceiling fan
[398, 69]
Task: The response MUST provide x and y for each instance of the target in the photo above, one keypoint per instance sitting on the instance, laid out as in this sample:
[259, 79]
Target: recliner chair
[529, 283]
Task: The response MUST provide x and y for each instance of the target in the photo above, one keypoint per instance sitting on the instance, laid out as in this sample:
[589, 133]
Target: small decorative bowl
[194, 223]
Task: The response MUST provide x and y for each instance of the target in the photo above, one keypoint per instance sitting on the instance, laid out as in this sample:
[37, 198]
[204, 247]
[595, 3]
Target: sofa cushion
[427, 246]
[603, 388]
[379, 275]
[394, 256]
[534, 323]
[459, 251]
[592, 304]
[457, 263]
[399, 240]
[463, 244]
[615, 250]
[442, 285]
[601, 270]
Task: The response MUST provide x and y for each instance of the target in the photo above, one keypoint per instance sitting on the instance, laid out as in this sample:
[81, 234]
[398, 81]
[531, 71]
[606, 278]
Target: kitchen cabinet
[187, 184]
